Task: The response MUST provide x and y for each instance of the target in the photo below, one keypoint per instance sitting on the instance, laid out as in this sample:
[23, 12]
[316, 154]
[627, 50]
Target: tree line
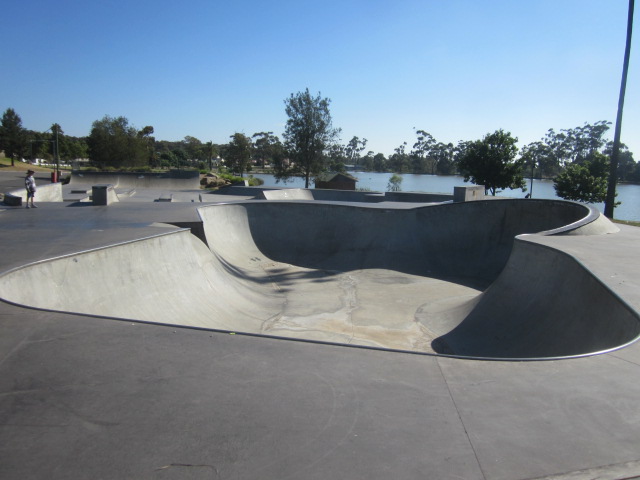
[576, 158]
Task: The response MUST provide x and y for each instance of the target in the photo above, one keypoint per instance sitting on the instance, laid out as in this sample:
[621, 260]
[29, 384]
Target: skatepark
[174, 333]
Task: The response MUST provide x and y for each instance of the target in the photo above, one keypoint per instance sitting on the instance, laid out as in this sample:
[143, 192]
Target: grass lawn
[626, 222]
[5, 166]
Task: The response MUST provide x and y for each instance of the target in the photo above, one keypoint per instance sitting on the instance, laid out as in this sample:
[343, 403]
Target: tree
[443, 154]
[196, 151]
[308, 134]
[584, 182]
[421, 160]
[13, 138]
[626, 162]
[379, 163]
[353, 150]
[146, 134]
[239, 153]
[266, 146]
[336, 157]
[399, 162]
[114, 143]
[491, 162]
[573, 144]
[395, 183]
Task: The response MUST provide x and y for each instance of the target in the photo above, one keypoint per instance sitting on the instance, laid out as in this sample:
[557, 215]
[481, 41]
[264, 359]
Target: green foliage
[308, 135]
[238, 155]
[557, 149]
[422, 161]
[13, 138]
[491, 162]
[353, 150]
[395, 183]
[400, 161]
[253, 182]
[114, 143]
[584, 182]
[267, 148]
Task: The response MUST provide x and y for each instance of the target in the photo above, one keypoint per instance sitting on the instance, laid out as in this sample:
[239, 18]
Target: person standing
[30, 185]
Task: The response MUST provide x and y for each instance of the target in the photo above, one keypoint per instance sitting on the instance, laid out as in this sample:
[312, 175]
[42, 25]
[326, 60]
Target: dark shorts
[30, 194]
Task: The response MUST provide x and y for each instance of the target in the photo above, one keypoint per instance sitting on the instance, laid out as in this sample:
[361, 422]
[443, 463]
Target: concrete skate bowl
[447, 279]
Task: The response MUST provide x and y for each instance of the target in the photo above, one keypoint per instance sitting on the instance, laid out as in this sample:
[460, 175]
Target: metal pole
[57, 156]
[533, 164]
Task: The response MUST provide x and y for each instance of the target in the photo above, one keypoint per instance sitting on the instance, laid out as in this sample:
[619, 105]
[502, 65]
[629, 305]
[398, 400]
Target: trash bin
[54, 177]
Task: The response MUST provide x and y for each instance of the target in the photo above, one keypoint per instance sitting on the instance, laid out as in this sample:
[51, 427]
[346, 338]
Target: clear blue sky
[208, 68]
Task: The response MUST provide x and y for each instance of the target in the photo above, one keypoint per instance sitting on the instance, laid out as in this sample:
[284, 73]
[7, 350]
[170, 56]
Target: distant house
[336, 181]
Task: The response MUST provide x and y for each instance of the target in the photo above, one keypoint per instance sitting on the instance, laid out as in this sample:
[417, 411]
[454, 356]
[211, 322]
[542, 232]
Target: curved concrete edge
[169, 278]
[470, 240]
[593, 223]
[600, 226]
[545, 304]
[50, 192]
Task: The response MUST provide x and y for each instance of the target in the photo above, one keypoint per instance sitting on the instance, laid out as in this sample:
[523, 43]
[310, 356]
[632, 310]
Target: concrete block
[468, 194]
[104, 194]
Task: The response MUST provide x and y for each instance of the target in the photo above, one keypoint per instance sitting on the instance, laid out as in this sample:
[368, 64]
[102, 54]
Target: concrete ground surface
[89, 397]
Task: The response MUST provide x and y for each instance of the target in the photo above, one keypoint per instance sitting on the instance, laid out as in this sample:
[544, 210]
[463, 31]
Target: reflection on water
[628, 194]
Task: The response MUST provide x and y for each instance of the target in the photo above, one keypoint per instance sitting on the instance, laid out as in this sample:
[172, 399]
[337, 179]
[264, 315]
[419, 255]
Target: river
[628, 194]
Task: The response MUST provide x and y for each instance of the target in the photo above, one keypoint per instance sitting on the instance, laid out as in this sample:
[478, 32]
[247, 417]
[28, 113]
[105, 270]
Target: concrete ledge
[12, 200]
[417, 197]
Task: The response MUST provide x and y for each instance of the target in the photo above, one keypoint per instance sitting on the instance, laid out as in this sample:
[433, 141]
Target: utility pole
[57, 156]
[610, 200]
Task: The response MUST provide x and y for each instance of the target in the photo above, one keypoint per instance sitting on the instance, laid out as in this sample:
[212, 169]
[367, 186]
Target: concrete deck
[89, 397]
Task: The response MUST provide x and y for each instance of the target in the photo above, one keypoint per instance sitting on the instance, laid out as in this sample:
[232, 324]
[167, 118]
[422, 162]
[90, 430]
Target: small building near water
[336, 181]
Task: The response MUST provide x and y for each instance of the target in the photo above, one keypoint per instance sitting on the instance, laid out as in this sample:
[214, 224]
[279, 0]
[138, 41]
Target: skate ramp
[544, 304]
[437, 279]
[47, 192]
[286, 194]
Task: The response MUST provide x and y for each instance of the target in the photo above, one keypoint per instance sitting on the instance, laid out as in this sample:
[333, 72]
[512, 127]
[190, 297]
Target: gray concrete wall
[465, 241]
[173, 180]
[336, 195]
[417, 197]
